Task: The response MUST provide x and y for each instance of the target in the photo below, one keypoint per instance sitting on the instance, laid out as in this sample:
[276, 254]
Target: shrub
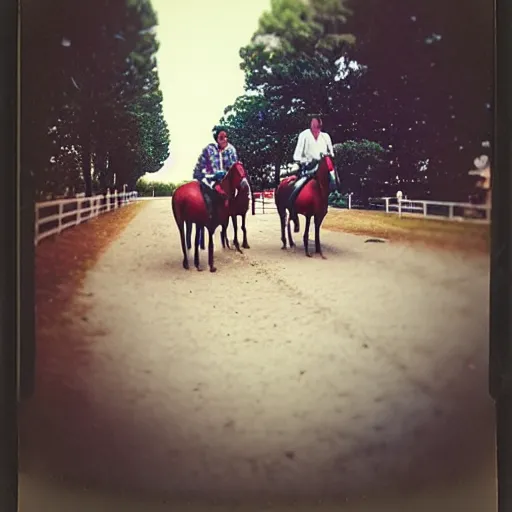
[156, 188]
[337, 200]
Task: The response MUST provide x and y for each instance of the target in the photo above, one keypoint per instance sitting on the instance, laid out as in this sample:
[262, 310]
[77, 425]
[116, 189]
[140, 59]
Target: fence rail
[52, 217]
[437, 209]
[264, 201]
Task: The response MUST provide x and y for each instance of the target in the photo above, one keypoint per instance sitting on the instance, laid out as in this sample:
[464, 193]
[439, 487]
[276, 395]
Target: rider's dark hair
[217, 130]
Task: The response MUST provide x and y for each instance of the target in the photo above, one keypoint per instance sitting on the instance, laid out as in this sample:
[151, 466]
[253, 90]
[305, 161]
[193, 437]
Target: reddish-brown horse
[238, 206]
[189, 207]
[312, 201]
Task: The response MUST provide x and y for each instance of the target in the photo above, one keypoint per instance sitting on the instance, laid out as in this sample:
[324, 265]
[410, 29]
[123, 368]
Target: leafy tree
[92, 113]
[359, 164]
[255, 140]
[292, 61]
[427, 87]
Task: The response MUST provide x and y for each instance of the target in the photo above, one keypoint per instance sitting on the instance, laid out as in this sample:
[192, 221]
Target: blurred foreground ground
[357, 380]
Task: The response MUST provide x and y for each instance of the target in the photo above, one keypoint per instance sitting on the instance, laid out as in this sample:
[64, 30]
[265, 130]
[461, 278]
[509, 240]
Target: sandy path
[278, 375]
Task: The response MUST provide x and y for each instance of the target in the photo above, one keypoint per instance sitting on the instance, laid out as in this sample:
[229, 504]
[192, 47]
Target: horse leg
[226, 235]
[183, 247]
[201, 237]
[245, 244]
[210, 249]
[306, 236]
[196, 247]
[318, 248]
[282, 217]
[235, 229]
[223, 236]
[290, 239]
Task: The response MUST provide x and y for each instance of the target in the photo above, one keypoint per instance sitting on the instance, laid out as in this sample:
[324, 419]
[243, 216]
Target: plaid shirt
[212, 160]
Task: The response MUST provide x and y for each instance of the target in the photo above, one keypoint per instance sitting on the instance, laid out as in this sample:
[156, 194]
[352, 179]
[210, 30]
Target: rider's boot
[293, 213]
[209, 201]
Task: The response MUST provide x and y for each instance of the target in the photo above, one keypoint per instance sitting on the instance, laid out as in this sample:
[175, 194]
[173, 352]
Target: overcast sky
[198, 64]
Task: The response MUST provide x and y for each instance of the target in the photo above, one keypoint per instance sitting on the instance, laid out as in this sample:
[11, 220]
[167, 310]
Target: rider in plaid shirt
[215, 159]
[213, 163]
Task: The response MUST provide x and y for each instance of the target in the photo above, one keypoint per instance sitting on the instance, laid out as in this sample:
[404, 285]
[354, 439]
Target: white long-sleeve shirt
[308, 148]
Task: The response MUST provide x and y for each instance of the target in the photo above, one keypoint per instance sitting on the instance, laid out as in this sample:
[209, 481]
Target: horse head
[236, 178]
[326, 174]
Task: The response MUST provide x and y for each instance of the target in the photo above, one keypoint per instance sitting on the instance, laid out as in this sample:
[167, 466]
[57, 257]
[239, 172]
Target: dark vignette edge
[9, 265]
[500, 355]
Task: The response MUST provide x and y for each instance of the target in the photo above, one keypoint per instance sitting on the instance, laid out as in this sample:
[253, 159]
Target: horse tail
[280, 201]
[188, 234]
[176, 211]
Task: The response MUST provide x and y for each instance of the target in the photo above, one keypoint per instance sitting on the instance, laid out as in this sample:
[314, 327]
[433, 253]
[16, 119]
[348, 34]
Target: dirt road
[277, 376]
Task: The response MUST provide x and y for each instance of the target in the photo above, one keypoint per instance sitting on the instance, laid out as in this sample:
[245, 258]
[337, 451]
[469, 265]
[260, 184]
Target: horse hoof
[245, 246]
[292, 245]
[239, 250]
[213, 269]
[283, 248]
[309, 255]
[199, 269]
[186, 265]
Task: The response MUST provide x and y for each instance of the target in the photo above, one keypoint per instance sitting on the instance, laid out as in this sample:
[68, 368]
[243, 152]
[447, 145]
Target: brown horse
[312, 201]
[189, 207]
[238, 206]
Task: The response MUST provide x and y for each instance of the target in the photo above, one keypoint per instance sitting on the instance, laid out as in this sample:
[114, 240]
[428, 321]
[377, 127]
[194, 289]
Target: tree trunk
[86, 166]
[277, 171]
[101, 168]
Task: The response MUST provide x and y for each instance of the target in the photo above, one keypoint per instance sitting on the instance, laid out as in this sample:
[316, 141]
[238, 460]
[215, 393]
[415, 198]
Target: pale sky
[198, 65]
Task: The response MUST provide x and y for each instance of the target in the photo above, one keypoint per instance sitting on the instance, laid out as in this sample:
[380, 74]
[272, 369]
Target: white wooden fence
[52, 217]
[264, 202]
[443, 209]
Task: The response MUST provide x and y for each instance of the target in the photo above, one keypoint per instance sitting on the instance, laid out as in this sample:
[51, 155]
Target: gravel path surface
[277, 376]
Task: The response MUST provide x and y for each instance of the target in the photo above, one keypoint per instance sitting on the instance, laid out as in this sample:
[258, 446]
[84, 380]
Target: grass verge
[439, 234]
[63, 260]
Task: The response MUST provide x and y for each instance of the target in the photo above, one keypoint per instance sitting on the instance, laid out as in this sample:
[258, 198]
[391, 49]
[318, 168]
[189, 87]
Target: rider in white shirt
[312, 143]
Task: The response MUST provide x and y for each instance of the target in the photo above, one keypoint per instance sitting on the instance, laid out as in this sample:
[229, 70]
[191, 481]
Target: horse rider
[311, 145]
[213, 163]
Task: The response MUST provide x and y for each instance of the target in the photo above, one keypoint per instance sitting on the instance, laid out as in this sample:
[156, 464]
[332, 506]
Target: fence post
[61, 211]
[263, 201]
[387, 203]
[424, 208]
[115, 199]
[78, 212]
[350, 201]
[36, 226]
[107, 197]
[450, 211]
[400, 208]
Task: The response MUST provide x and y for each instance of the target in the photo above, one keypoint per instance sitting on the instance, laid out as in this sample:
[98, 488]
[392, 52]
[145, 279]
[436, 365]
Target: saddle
[215, 192]
[213, 197]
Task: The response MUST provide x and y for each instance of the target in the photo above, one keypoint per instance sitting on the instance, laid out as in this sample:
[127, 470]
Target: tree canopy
[291, 63]
[414, 78]
[91, 101]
